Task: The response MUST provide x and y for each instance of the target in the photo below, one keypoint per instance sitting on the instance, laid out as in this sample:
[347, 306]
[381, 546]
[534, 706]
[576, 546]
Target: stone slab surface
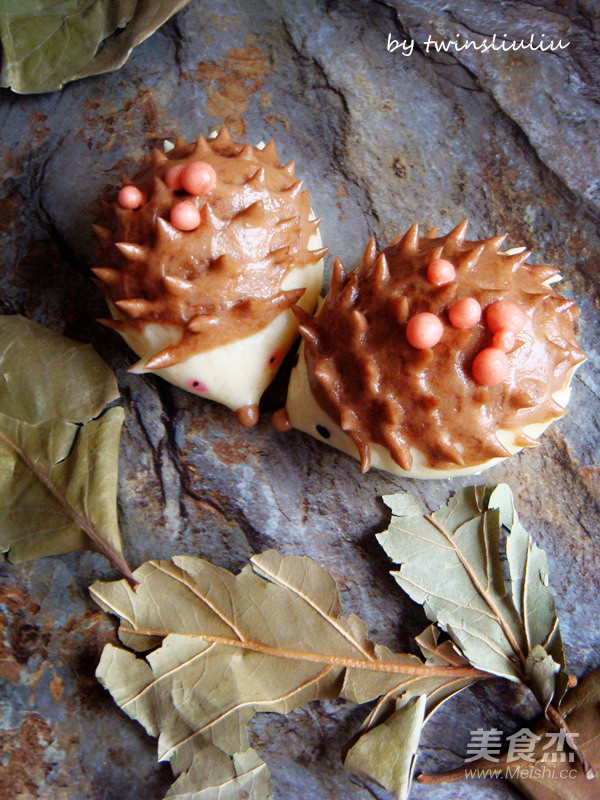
[509, 140]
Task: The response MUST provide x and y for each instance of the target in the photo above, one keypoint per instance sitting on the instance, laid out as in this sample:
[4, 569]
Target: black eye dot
[296, 358]
[272, 360]
[323, 431]
[194, 384]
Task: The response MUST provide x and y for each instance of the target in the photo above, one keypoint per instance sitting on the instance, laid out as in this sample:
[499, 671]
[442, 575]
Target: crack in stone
[155, 451]
[363, 198]
[173, 27]
[431, 56]
[556, 12]
[255, 538]
[36, 178]
[163, 392]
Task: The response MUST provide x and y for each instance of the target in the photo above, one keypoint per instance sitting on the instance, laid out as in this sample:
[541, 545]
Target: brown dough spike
[338, 277]
[214, 290]
[363, 373]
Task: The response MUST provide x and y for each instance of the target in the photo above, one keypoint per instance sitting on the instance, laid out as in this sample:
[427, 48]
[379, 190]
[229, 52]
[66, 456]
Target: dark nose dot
[323, 431]
[194, 384]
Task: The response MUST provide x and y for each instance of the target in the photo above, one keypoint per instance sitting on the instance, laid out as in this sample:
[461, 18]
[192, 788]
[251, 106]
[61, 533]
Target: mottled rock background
[508, 139]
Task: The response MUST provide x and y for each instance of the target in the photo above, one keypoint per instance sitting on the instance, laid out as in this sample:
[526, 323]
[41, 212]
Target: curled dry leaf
[220, 647]
[452, 563]
[45, 45]
[59, 443]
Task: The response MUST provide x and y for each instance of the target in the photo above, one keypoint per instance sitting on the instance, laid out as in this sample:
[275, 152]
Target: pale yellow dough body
[235, 374]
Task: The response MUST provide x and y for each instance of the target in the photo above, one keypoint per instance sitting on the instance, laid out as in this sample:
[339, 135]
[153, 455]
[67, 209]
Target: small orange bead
[173, 177]
[424, 330]
[504, 314]
[185, 216]
[130, 197]
[465, 313]
[199, 178]
[440, 271]
[490, 366]
[504, 340]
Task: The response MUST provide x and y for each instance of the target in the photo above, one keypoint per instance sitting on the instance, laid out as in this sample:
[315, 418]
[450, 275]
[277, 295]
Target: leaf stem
[418, 670]
[117, 561]
[555, 716]
[461, 772]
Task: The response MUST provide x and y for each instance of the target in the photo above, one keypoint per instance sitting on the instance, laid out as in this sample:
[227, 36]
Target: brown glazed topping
[222, 281]
[378, 388]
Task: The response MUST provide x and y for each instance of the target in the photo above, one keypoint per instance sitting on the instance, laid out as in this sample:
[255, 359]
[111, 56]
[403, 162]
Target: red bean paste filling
[379, 389]
[222, 281]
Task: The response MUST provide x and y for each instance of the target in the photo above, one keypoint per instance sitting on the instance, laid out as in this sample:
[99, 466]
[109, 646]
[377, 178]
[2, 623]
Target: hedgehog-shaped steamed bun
[210, 248]
[437, 357]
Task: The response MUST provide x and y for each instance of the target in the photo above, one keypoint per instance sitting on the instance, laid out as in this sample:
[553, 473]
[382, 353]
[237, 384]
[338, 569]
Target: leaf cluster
[203, 649]
[206, 649]
[59, 444]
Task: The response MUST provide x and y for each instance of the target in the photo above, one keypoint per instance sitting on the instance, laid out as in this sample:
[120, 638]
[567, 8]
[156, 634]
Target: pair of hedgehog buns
[208, 250]
[436, 357]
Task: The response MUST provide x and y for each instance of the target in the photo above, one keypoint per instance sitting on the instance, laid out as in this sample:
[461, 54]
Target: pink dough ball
[424, 330]
[199, 178]
[173, 177]
[490, 366]
[504, 340]
[465, 313]
[185, 216]
[504, 314]
[440, 271]
[130, 197]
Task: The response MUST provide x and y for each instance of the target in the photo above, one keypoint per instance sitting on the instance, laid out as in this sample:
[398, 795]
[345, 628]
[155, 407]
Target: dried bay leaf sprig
[219, 647]
[59, 441]
[451, 563]
[482, 580]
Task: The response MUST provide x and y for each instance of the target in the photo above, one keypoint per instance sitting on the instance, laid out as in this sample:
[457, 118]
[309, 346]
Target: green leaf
[220, 647]
[45, 45]
[58, 446]
[451, 563]
[204, 771]
[540, 675]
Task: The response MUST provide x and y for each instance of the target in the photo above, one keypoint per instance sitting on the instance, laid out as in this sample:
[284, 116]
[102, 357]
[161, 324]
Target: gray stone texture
[509, 140]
